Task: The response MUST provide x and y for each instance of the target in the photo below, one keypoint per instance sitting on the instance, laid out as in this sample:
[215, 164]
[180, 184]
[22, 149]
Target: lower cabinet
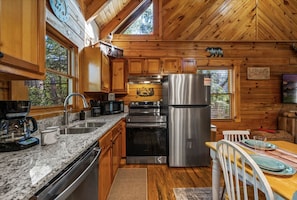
[110, 158]
[105, 161]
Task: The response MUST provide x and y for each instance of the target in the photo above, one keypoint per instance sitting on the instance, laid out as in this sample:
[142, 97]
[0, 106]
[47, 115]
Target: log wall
[260, 99]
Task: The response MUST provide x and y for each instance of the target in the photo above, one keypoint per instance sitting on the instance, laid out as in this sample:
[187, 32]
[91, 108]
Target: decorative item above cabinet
[22, 39]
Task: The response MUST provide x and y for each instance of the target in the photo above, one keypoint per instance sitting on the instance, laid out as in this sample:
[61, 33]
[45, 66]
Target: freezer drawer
[189, 129]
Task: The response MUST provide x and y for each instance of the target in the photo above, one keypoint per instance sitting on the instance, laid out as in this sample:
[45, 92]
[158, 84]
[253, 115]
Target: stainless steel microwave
[111, 107]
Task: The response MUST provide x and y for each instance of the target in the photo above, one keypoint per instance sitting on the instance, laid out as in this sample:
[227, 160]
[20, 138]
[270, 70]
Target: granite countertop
[24, 172]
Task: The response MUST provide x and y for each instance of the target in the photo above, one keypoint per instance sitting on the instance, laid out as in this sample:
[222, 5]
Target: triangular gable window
[142, 24]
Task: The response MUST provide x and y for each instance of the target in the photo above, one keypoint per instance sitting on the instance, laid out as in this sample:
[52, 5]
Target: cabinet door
[91, 69]
[170, 65]
[119, 76]
[136, 66]
[116, 150]
[105, 73]
[22, 38]
[105, 166]
[105, 179]
[123, 138]
[152, 66]
[189, 65]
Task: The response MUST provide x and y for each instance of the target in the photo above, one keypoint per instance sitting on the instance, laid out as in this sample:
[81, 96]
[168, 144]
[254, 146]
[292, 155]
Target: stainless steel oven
[146, 134]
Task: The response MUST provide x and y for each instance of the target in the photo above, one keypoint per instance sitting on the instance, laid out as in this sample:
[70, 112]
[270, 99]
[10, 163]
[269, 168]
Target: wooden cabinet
[110, 158]
[22, 39]
[189, 65]
[105, 73]
[123, 138]
[171, 65]
[105, 166]
[119, 76]
[144, 66]
[116, 148]
[95, 70]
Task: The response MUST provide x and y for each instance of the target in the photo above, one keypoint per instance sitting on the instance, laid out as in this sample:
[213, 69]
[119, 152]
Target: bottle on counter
[82, 115]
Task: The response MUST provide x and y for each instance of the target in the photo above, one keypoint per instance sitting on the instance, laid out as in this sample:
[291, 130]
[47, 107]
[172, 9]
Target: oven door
[146, 143]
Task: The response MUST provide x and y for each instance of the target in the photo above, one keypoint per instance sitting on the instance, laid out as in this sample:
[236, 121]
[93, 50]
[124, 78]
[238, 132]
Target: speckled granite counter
[23, 173]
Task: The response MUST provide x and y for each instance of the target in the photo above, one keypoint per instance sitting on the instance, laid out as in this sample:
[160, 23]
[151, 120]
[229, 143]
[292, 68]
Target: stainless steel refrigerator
[186, 101]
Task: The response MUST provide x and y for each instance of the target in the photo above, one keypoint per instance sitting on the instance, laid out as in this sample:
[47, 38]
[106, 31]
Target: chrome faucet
[66, 103]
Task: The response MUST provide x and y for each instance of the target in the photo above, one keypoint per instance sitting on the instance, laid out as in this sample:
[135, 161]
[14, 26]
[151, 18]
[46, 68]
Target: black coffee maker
[16, 127]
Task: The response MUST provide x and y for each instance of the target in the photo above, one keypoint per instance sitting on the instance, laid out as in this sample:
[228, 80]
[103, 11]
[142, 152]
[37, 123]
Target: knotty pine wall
[260, 99]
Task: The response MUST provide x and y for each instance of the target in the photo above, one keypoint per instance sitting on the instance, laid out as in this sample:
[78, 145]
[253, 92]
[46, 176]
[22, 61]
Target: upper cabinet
[95, 70]
[119, 76]
[189, 65]
[144, 66]
[22, 39]
[171, 65]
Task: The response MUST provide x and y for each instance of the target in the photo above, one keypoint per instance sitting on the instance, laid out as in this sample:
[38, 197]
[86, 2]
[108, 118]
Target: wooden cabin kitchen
[86, 92]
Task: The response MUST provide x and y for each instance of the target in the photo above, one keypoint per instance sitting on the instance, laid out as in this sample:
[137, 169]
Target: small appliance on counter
[95, 108]
[16, 127]
[112, 107]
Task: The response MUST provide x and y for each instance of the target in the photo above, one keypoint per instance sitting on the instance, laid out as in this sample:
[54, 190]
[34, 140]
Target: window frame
[234, 65]
[55, 110]
[156, 26]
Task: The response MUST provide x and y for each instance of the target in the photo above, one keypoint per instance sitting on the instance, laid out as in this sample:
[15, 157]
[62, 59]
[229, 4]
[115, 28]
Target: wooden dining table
[284, 187]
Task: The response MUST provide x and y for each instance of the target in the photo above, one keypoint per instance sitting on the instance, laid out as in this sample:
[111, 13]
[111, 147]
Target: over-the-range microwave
[111, 107]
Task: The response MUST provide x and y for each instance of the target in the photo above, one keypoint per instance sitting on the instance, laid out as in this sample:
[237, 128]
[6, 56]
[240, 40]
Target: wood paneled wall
[134, 89]
[260, 99]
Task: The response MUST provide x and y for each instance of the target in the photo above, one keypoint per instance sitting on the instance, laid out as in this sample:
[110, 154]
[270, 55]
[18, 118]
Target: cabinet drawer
[105, 142]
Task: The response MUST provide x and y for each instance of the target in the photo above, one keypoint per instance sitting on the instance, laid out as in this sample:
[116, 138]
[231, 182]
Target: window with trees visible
[142, 21]
[222, 92]
[59, 75]
[143, 25]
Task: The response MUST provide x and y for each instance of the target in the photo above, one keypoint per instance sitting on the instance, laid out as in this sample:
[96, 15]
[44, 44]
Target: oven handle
[146, 125]
[81, 177]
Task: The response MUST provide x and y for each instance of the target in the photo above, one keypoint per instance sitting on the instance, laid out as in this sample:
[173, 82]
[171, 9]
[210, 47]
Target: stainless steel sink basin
[90, 124]
[78, 130]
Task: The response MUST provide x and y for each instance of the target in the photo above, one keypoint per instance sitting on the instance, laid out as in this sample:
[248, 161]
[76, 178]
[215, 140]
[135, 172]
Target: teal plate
[273, 166]
[264, 145]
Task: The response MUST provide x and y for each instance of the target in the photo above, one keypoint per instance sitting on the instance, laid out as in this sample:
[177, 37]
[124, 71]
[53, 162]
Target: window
[143, 25]
[224, 98]
[143, 22]
[59, 81]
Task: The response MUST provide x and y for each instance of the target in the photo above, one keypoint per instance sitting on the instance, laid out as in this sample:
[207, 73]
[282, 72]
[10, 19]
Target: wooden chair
[235, 162]
[236, 135]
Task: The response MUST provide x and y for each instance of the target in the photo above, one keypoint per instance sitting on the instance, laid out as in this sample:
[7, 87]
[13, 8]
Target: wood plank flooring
[162, 179]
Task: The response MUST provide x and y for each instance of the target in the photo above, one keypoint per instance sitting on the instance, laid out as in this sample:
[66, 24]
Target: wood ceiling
[108, 14]
[211, 20]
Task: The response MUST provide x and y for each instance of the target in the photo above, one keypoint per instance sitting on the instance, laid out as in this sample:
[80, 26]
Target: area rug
[129, 184]
[195, 193]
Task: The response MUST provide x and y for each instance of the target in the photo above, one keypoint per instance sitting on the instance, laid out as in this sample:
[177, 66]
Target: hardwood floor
[162, 179]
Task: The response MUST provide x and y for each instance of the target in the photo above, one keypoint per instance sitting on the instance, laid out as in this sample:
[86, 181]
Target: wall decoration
[215, 51]
[258, 73]
[145, 92]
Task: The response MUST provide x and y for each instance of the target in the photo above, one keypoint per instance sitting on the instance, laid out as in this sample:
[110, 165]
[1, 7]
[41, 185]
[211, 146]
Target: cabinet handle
[1, 55]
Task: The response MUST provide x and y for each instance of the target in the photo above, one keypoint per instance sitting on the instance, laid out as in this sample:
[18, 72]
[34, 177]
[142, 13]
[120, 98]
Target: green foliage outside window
[143, 25]
[220, 93]
[53, 90]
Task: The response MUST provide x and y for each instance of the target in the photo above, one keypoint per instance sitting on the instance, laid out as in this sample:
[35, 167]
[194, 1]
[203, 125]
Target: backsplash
[59, 120]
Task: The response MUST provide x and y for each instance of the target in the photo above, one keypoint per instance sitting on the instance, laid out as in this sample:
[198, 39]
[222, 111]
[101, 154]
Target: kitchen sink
[90, 124]
[78, 130]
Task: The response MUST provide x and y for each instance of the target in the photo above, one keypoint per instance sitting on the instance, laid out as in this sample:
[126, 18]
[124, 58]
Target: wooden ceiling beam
[92, 9]
[119, 18]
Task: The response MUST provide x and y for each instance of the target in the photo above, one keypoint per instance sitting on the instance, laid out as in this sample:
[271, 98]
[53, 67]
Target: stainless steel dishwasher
[77, 181]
